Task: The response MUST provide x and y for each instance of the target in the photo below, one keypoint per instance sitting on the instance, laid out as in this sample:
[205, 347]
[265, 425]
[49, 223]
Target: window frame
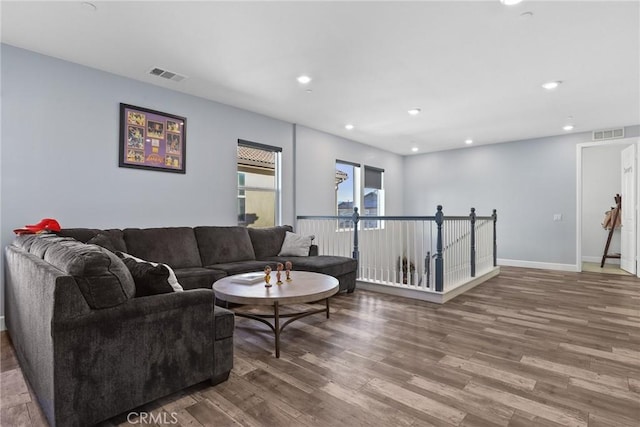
[356, 190]
[380, 195]
[277, 190]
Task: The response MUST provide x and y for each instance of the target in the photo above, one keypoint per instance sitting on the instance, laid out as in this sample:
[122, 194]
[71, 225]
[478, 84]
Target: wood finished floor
[527, 348]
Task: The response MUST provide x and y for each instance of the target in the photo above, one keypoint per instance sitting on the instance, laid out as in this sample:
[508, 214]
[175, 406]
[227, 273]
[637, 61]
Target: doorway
[599, 178]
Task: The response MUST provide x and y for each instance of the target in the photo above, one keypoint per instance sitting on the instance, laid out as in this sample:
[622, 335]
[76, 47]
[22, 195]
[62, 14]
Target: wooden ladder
[614, 220]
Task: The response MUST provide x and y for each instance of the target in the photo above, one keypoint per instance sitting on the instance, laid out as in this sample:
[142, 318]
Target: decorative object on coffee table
[279, 267]
[267, 276]
[288, 266]
[152, 140]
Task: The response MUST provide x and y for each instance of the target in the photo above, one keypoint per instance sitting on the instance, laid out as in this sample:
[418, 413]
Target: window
[347, 189]
[258, 184]
[373, 195]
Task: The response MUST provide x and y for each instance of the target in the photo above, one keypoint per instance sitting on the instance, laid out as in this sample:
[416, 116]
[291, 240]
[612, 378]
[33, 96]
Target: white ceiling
[474, 68]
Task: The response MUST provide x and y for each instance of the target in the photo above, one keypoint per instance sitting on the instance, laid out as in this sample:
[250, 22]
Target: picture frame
[152, 140]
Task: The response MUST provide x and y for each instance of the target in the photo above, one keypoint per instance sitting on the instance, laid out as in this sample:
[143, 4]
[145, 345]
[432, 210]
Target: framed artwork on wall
[152, 140]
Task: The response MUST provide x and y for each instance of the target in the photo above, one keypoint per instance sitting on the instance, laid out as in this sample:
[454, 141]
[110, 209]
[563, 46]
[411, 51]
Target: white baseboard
[599, 259]
[424, 294]
[3, 327]
[538, 265]
[400, 292]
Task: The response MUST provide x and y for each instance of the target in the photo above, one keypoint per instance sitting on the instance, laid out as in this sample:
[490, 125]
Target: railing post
[495, 245]
[356, 219]
[439, 262]
[427, 268]
[472, 218]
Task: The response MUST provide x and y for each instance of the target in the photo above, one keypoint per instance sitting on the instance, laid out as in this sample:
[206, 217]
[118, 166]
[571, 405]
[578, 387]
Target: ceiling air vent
[169, 75]
[599, 135]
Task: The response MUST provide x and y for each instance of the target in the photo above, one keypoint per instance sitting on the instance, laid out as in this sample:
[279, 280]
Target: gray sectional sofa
[92, 350]
[201, 255]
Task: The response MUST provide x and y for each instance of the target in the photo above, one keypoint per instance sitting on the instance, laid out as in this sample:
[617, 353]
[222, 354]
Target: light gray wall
[526, 181]
[60, 126]
[600, 183]
[316, 155]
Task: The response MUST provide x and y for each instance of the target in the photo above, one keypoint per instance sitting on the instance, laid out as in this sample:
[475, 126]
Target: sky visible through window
[345, 189]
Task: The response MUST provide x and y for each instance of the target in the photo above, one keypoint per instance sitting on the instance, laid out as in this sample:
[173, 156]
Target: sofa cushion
[149, 279]
[175, 246]
[104, 241]
[80, 234]
[42, 242]
[198, 277]
[295, 245]
[242, 267]
[220, 245]
[102, 277]
[267, 242]
[327, 264]
[24, 241]
[85, 234]
[224, 323]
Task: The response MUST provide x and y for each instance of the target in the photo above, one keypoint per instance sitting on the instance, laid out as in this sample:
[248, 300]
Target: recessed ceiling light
[348, 126]
[414, 111]
[303, 79]
[468, 141]
[510, 2]
[552, 85]
[414, 149]
[567, 127]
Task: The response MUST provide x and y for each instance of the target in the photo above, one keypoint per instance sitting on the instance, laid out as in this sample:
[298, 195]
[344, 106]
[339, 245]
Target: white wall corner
[538, 265]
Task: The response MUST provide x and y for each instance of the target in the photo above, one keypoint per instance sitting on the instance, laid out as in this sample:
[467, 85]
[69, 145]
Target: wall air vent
[169, 75]
[600, 135]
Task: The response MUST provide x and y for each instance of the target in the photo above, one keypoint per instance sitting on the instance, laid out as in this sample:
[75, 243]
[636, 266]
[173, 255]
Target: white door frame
[579, 148]
[627, 262]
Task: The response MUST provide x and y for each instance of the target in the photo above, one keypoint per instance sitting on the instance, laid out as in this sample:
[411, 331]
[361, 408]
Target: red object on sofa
[46, 224]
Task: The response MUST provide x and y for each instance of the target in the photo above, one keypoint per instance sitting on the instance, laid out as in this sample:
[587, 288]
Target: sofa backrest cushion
[104, 241]
[220, 245]
[102, 277]
[42, 242]
[24, 241]
[85, 234]
[268, 241]
[175, 246]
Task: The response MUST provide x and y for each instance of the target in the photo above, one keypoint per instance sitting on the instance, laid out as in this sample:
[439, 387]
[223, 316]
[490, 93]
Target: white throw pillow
[173, 280]
[295, 245]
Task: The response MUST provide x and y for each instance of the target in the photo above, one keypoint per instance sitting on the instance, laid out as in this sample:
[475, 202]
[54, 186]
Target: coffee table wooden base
[276, 327]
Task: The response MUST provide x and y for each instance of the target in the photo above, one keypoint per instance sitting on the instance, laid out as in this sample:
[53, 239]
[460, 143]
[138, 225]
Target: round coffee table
[304, 287]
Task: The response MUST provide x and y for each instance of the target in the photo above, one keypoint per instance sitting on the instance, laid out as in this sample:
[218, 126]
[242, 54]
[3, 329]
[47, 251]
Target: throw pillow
[295, 245]
[102, 240]
[173, 280]
[149, 279]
